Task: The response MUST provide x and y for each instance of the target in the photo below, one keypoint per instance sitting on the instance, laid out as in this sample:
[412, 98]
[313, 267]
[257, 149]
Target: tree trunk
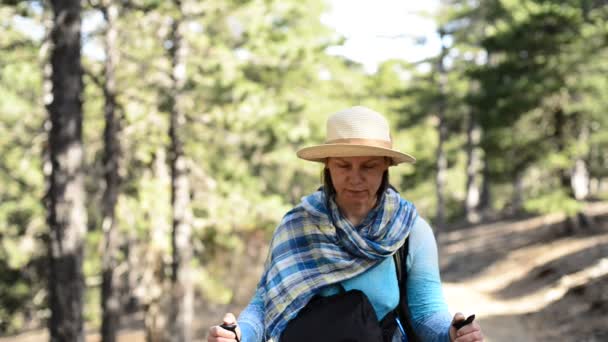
[573, 179]
[559, 136]
[472, 189]
[580, 180]
[443, 132]
[594, 160]
[66, 196]
[440, 178]
[152, 285]
[182, 290]
[580, 173]
[572, 223]
[110, 302]
[129, 300]
[485, 200]
[517, 200]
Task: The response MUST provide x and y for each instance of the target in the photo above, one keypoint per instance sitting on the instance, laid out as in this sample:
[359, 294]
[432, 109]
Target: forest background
[142, 182]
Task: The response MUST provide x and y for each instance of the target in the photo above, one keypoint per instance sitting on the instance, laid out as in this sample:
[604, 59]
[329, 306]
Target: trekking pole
[403, 334]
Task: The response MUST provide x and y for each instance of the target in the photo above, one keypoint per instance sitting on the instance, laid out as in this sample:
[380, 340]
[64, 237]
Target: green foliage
[22, 139]
[553, 202]
[535, 100]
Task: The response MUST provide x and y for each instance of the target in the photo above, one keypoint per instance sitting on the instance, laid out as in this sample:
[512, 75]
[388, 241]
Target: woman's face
[357, 179]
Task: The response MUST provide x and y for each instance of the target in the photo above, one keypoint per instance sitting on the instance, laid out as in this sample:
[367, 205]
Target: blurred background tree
[192, 112]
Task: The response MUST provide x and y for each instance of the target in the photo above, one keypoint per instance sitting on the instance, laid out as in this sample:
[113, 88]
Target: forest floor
[526, 279]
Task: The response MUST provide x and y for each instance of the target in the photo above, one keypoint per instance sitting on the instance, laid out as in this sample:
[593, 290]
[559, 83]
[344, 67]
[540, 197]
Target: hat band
[359, 141]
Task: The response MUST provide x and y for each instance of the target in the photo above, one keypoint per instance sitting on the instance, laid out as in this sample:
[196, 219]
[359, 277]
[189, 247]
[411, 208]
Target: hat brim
[320, 152]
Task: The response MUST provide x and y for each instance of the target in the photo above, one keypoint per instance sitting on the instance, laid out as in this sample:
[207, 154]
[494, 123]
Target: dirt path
[526, 280]
[490, 314]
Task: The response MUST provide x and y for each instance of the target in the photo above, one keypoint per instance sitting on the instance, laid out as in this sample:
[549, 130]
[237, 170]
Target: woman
[339, 242]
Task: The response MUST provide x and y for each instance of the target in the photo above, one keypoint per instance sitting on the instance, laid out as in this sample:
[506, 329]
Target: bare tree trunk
[440, 177]
[110, 302]
[152, 284]
[473, 160]
[580, 172]
[580, 182]
[559, 136]
[517, 200]
[129, 299]
[568, 177]
[485, 200]
[66, 196]
[572, 223]
[594, 160]
[182, 288]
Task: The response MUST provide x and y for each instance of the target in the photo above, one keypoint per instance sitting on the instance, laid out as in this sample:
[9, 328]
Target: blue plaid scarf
[314, 246]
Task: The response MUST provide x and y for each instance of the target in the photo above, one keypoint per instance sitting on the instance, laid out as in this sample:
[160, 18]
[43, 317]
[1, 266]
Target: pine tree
[181, 276]
[110, 301]
[66, 197]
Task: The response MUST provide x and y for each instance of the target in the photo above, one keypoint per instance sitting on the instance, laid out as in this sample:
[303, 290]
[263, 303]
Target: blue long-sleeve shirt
[430, 316]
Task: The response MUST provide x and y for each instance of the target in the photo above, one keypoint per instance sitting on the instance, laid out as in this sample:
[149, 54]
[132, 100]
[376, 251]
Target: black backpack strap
[403, 310]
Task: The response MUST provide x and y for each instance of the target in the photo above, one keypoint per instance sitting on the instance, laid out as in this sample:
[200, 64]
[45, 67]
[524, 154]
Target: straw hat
[356, 132]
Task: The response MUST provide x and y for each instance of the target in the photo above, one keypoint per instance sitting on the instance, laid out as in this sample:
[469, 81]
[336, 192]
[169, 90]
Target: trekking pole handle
[230, 327]
[462, 323]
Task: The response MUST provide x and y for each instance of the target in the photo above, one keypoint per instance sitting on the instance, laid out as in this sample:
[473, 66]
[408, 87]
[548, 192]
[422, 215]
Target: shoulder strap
[403, 310]
[400, 260]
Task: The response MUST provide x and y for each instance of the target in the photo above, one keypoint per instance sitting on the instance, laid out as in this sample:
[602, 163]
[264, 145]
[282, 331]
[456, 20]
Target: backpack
[345, 317]
[349, 316]
[403, 310]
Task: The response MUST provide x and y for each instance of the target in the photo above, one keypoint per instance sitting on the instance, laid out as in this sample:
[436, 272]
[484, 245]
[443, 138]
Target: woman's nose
[356, 175]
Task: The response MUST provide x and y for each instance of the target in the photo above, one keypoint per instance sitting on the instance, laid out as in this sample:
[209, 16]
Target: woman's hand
[218, 334]
[468, 333]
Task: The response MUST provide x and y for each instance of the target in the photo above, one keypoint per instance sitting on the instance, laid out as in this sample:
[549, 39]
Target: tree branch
[21, 182]
[17, 44]
[96, 79]
[131, 5]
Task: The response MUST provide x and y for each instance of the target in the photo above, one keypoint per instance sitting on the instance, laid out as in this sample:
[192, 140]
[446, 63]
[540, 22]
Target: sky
[383, 29]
